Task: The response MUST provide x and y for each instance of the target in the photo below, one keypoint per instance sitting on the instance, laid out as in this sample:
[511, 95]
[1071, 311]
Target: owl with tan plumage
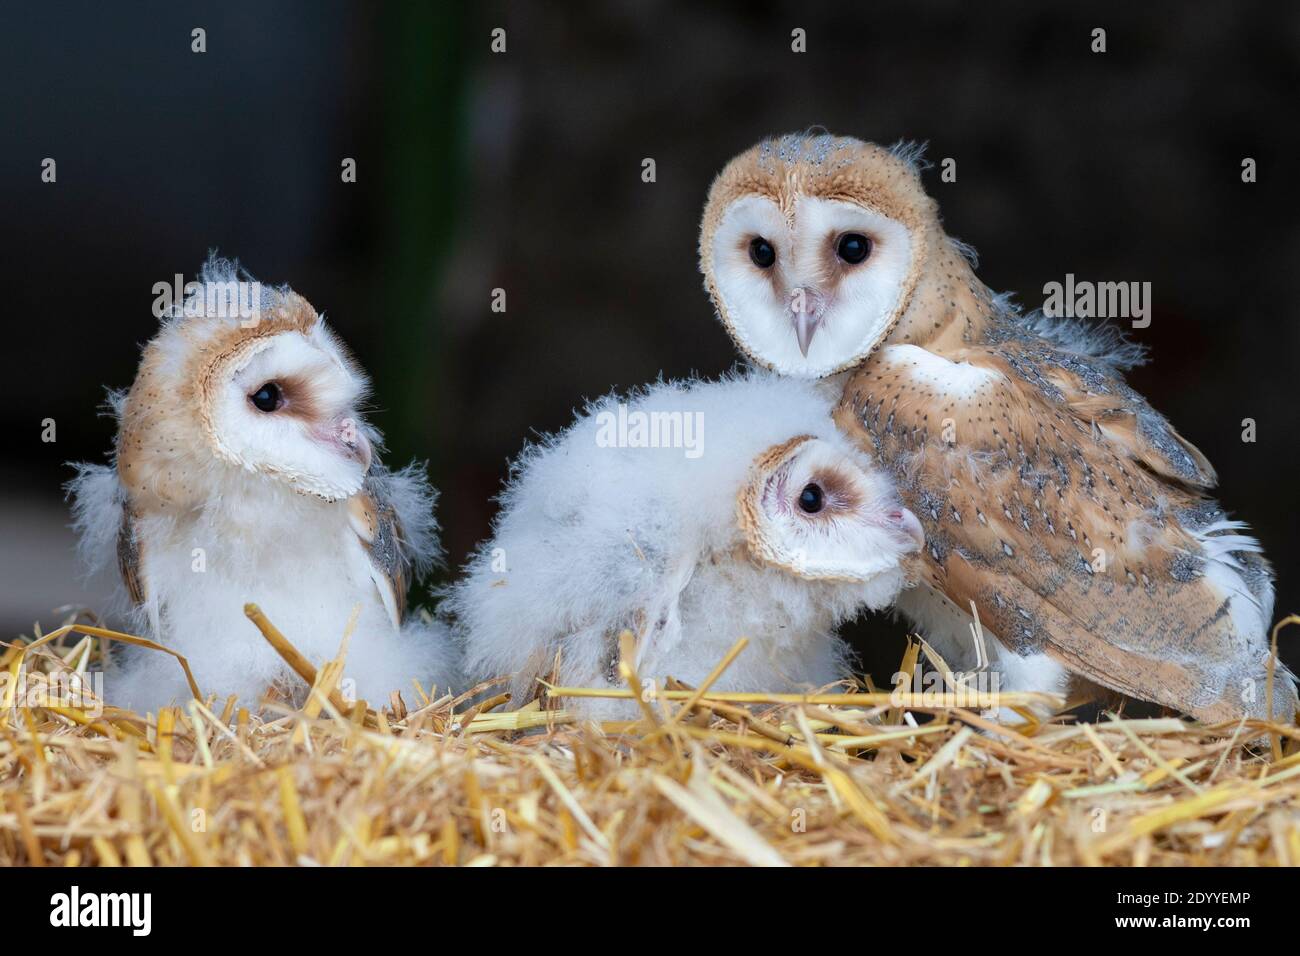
[1055, 501]
[243, 471]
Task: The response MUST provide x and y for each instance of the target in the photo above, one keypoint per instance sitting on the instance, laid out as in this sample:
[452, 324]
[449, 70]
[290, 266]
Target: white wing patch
[959, 380]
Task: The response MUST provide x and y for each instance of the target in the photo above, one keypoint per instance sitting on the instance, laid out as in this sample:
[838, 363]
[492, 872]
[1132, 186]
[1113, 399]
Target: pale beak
[805, 327]
[345, 434]
[906, 523]
[806, 309]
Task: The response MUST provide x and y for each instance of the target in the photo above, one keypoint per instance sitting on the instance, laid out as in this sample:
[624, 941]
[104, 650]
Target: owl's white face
[286, 406]
[814, 510]
[809, 294]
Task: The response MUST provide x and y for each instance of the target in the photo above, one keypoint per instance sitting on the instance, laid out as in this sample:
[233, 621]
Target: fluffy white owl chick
[243, 472]
[691, 514]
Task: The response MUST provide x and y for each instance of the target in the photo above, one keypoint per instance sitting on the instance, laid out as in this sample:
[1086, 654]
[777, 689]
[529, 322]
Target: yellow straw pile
[702, 778]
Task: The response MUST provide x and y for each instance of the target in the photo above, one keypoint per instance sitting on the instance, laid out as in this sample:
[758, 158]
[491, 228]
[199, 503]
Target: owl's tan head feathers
[829, 167]
[273, 393]
[814, 247]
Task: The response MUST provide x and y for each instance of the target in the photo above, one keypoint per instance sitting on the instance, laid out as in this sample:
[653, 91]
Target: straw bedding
[701, 779]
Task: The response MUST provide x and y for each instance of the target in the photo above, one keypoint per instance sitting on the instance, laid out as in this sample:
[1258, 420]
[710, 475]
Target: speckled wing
[374, 518]
[1072, 514]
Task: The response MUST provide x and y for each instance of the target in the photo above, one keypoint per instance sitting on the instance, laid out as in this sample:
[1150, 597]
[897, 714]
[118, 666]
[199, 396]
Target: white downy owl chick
[243, 472]
[691, 514]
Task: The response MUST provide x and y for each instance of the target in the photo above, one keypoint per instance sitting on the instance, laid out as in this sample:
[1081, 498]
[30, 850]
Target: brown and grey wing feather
[1051, 497]
[129, 558]
[375, 522]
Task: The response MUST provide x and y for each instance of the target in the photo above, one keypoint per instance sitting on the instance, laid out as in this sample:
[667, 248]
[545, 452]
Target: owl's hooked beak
[350, 440]
[905, 524]
[807, 306]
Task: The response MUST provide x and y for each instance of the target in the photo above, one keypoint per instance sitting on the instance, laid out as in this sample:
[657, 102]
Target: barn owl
[1055, 501]
[243, 472]
[690, 514]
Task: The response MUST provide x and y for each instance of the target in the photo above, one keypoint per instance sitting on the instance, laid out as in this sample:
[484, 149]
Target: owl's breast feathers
[1072, 514]
[372, 517]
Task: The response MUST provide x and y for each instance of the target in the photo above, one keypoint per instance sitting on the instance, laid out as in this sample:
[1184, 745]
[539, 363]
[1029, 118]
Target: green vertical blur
[424, 121]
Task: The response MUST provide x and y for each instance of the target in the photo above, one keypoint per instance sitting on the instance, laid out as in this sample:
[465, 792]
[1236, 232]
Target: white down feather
[294, 556]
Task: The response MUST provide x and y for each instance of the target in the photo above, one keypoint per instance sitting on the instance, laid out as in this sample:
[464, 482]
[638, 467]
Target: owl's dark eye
[762, 253]
[810, 499]
[853, 247]
[267, 398]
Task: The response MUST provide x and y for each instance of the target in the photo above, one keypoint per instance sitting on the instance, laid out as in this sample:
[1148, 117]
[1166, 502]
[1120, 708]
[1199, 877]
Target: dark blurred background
[522, 171]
